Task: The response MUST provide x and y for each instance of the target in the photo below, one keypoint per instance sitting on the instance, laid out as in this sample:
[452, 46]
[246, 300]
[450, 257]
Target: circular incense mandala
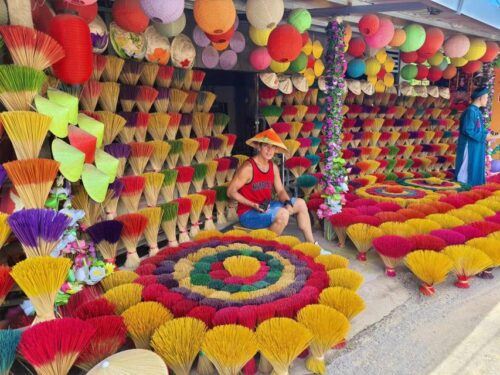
[403, 195]
[434, 184]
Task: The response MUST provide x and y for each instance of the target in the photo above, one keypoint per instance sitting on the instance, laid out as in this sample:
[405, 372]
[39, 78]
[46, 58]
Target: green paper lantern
[409, 72]
[415, 38]
[299, 64]
[107, 164]
[301, 19]
[70, 158]
[66, 100]
[58, 113]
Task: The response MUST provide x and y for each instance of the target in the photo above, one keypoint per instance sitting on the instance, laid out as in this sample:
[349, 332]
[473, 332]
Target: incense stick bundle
[173, 125]
[114, 66]
[32, 179]
[162, 100]
[149, 73]
[90, 95]
[120, 152]
[200, 172]
[175, 151]
[201, 124]
[189, 148]
[18, 86]
[184, 178]
[157, 125]
[231, 141]
[164, 76]
[27, 131]
[169, 221]
[168, 187]
[160, 153]
[204, 101]
[201, 153]
[81, 201]
[98, 65]
[241, 159]
[4, 230]
[198, 77]
[133, 186]
[126, 135]
[208, 208]
[222, 169]
[109, 96]
[139, 156]
[153, 184]
[186, 125]
[223, 147]
[128, 95]
[113, 124]
[182, 218]
[105, 236]
[211, 172]
[197, 204]
[146, 97]
[141, 126]
[233, 165]
[221, 201]
[178, 78]
[189, 103]
[131, 72]
[221, 120]
[154, 216]
[176, 100]
[214, 147]
[134, 225]
[112, 197]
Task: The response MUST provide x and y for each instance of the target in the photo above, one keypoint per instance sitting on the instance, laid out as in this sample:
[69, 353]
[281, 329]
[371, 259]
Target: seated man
[252, 188]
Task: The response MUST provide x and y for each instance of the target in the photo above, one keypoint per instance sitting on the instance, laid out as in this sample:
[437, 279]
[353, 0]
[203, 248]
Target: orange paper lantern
[399, 38]
[450, 72]
[128, 14]
[214, 16]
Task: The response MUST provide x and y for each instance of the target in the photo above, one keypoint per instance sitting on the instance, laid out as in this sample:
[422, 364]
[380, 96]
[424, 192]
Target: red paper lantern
[434, 74]
[305, 38]
[472, 67]
[284, 44]
[221, 38]
[434, 39]
[357, 47]
[450, 72]
[310, 62]
[87, 11]
[492, 50]
[73, 35]
[409, 57]
[422, 72]
[421, 59]
[369, 24]
[128, 14]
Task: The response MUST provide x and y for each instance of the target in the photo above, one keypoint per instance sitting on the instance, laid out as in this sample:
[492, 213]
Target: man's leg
[303, 219]
[280, 222]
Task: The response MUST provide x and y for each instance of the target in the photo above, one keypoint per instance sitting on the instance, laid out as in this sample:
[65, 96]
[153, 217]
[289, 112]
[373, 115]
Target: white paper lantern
[264, 14]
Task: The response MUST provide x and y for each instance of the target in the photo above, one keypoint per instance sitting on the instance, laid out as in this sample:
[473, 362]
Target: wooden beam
[364, 9]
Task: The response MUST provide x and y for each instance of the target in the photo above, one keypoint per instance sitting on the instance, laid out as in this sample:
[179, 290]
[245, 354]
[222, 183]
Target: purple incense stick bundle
[122, 153]
[106, 235]
[112, 197]
[128, 95]
[3, 175]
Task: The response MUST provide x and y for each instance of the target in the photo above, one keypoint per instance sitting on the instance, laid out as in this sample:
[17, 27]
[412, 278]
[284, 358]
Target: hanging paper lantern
[409, 72]
[259, 37]
[210, 57]
[381, 56]
[88, 11]
[222, 46]
[301, 19]
[459, 61]
[279, 67]
[444, 64]
[369, 24]
[389, 64]
[128, 14]
[383, 36]
[41, 12]
[238, 42]
[228, 59]
[434, 39]
[264, 14]
[305, 38]
[163, 11]
[476, 50]
[73, 34]
[421, 59]
[409, 57]
[200, 38]
[284, 44]
[347, 34]
[456, 46]
[214, 16]
[450, 72]
[434, 74]
[491, 53]
[356, 68]
[422, 72]
[169, 30]
[99, 35]
[399, 38]
[319, 68]
[299, 64]
[472, 67]
[221, 38]
[357, 47]
[415, 38]
[260, 59]
[436, 59]
[372, 66]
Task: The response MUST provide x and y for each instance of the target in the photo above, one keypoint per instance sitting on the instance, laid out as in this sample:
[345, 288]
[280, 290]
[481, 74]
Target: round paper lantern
[259, 37]
[357, 47]
[369, 24]
[399, 38]
[221, 38]
[434, 39]
[409, 57]
[73, 34]
[264, 14]
[421, 59]
[381, 56]
[128, 14]
[163, 11]
[319, 68]
[200, 38]
[41, 12]
[372, 66]
[305, 38]
[409, 72]
[434, 74]
[228, 59]
[422, 72]
[356, 68]
[456, 46]
[491, 53]
[444, 64]
[214, 16]
[415, 38]
[372, 79]
[237, 42]
[381, 73]
[436, 59]
[99, 35]
[210, 57]
[389, 79]
[88, 11]
[450, 72]
[279, 67]
[476, 50]
[459, 61]
[347, 34]
[284, 44]
[389, 64]
[169, 30]
[472, 67]
[260, 59]
[222, 46]
[383, 36]
[299, 64]
[301, 19]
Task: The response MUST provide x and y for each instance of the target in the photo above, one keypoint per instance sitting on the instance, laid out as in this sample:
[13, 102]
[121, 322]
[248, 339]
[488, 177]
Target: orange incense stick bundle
[139, 156]
[134, 225]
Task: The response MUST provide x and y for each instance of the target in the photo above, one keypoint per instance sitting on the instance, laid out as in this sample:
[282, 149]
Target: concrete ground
[457, 331]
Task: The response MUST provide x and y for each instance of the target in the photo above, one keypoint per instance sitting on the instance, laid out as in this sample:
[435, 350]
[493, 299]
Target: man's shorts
[254, 219]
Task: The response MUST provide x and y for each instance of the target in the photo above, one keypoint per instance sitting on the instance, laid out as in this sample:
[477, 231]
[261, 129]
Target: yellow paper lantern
[389, 64]
[347, 34]
[379, 86]
[381, 56]
[214, 16]
[477, 49]
[389, 79]
[310, 77]
[259, 36]
[458, 61]
[317, 49]
[308, 48]
[279, 67]
[319, 68]
[372, 79]
[436, 59]
[372, 66]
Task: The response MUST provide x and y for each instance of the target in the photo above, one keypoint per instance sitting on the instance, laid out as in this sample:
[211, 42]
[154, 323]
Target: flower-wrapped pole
[489, 74]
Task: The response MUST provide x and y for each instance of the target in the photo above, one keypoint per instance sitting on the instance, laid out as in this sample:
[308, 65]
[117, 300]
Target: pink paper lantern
[163, 11]
[200, 38]
[383, 35]
[228, 59]
[456, 46]
[210, 57]
[260, 59]
[237, 42]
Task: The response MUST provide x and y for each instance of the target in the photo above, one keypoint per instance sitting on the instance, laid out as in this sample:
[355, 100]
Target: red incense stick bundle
[183, 218]
[141, 126]
[134, 225]
[133, 187]
[184, 178]
[139, 156]
[146, 97]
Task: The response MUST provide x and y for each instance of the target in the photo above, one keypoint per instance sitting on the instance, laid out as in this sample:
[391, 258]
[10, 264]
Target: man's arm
[243, 176]
[278, 186]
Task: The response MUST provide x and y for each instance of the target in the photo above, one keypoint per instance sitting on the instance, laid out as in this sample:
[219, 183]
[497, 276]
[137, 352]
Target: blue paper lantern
[356, 68]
